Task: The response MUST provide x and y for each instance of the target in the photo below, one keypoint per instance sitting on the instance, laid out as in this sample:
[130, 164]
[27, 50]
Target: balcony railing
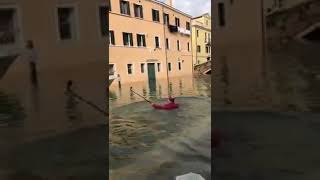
[173, 28]
[184, 31]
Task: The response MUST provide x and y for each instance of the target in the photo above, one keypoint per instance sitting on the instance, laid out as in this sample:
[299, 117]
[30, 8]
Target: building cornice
[201, 27]
[203, 15]
[170, 7]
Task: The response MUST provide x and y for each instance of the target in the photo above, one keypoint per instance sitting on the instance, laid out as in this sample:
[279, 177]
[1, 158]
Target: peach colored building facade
[147, 56]
[239, 53]
[80, 56]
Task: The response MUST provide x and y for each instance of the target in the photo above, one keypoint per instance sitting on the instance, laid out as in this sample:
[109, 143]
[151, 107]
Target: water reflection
[184, 86]
[147, 143]
[46, 134]
[11, 112]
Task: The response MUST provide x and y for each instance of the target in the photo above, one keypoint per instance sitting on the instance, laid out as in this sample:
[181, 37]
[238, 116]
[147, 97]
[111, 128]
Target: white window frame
[141, 34]
[110, 37]
[98, 18]
[158, 13]
[139, 4]
[20, 38]
[129, 41]
[168, 44]
[75, 6]
[129, 9]
[114, 66]
[133, 71]
[145, 68]
[160, 67]
[155, 42]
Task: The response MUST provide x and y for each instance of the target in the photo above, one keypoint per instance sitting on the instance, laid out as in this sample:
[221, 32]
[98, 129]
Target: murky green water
[151, 144]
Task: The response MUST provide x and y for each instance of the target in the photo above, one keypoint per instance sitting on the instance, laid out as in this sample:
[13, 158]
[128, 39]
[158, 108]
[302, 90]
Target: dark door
[152, 77]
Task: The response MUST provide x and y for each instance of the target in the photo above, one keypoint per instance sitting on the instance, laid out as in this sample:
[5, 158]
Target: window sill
[127, 15]
[140, 18]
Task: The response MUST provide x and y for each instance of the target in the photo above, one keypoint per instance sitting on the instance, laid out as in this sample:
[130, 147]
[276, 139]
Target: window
[141, 40]
[167, 43]
[111, 38]
[205, 37]
[155, 15]
[142, 66]
[125, 7]
[166, 19]
[66, 20]
[199, 48]
[209, 37]
[177, 20]
[188, 46]
[169, 66]
[103, 10]
[8, 20]
[159, 67]
[188, 26]
[221, 14]
[111, 69]
[179, 65]
[206, 22]
[207, 49]
[157, 43]
[127, 39]
[109, 5]
[197, 33]
[138, 11]
[178, 45]
[130, 68]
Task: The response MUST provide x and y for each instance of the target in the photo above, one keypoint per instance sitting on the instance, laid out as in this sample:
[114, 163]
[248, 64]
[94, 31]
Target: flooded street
[268, 145]
[150, 144]
[46, 134]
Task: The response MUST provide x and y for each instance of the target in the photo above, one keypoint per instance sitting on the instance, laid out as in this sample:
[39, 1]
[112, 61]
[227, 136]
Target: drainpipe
[164, 37]
[191, 47]
[196, 45]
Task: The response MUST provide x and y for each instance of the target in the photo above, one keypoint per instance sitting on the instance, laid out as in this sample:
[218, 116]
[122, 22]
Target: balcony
[184, 31]
[173, 28]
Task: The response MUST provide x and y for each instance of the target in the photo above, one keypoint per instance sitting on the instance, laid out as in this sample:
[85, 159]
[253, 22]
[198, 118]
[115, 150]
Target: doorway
[152, 77]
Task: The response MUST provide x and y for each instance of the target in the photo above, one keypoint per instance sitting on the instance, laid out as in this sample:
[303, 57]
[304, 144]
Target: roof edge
[170, 7]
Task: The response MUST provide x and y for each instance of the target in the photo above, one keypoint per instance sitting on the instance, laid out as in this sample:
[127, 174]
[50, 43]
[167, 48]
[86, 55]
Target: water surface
[151, 144]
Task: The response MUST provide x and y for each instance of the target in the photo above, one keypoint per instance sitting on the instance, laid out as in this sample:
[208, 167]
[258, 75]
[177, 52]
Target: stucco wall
[121, 56]
[238, 55]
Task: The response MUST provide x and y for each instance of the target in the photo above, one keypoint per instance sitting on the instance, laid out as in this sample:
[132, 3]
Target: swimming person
[166, 106]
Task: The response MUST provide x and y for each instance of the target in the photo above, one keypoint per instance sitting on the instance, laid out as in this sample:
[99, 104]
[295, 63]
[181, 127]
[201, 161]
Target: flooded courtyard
[150, 144]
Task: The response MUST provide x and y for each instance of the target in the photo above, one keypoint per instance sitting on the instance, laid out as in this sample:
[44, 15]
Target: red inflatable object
[166, 106]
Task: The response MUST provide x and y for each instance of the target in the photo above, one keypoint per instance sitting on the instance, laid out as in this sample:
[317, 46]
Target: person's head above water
[171, 99]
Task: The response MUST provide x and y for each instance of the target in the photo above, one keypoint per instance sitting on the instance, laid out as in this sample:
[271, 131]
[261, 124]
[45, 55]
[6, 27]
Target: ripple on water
[181, 134]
